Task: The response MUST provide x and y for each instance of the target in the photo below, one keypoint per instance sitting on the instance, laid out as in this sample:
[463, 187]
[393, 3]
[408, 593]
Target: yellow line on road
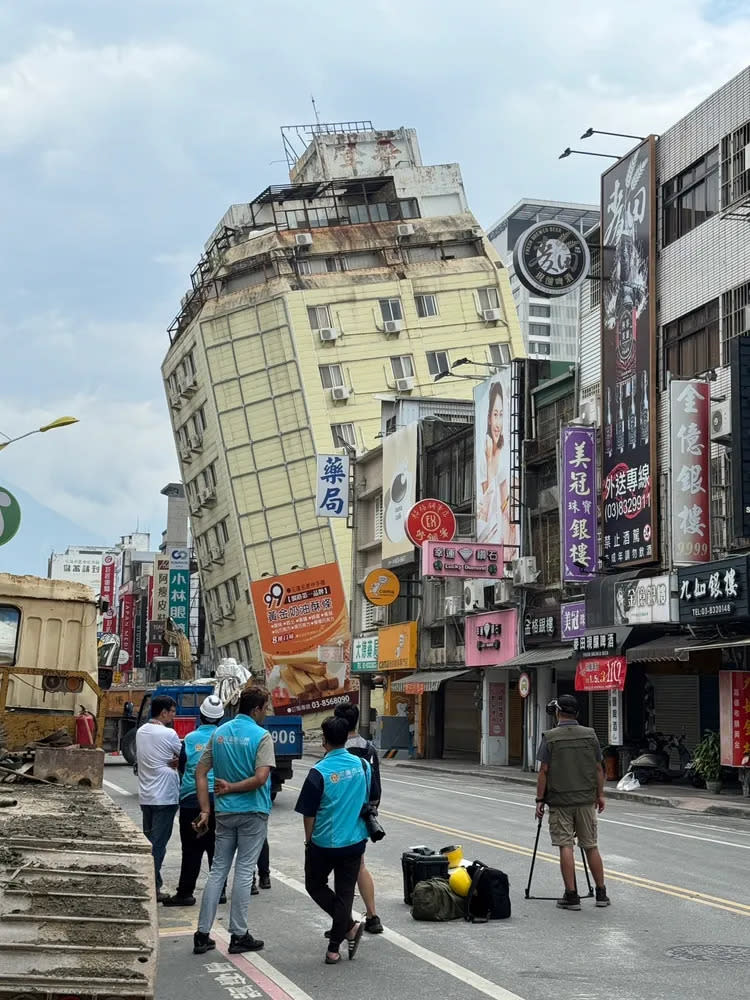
[638, 881]
[175, 931]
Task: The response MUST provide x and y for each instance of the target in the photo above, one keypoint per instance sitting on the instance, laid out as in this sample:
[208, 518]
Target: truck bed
[77, 897]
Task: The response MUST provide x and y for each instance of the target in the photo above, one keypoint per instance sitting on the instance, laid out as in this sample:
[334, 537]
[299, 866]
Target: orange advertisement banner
[397, 647]
[303, 629]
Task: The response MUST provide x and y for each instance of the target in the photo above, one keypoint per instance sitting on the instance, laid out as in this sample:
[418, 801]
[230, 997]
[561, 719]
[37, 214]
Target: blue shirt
[334, 792]
[192, 750]
[237, 749]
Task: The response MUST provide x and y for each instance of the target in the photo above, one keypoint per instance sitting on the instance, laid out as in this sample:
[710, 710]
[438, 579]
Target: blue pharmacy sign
[332, 493]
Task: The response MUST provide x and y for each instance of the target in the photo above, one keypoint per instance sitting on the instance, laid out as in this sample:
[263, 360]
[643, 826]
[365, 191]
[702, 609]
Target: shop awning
[426, 680]
[678, 647]
[541, 657]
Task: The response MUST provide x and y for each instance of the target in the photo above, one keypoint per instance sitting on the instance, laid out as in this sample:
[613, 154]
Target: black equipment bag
[489, 895]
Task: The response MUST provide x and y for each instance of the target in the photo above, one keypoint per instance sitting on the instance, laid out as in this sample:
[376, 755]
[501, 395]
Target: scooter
[654, 764]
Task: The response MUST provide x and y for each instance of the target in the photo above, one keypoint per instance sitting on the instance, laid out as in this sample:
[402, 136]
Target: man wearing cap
[194, 846]
[571, 783]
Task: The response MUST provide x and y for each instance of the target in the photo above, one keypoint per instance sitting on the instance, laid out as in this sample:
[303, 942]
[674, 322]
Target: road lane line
[116, 788]
[262, 973]
[459, 972]
[698, 826]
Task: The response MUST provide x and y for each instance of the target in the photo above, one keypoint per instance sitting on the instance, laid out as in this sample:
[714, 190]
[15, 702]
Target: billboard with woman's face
[492, 459]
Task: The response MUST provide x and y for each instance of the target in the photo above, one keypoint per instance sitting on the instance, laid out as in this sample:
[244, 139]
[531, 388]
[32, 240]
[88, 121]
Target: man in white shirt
[158, 753]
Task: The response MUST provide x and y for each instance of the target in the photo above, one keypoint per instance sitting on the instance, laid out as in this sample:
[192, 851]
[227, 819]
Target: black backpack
[489, 895]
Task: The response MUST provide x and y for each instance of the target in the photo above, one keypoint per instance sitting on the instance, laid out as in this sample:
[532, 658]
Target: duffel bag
[433, 899]
[489, 895]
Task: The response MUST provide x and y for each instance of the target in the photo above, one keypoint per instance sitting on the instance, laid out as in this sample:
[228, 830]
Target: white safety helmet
[212, 707]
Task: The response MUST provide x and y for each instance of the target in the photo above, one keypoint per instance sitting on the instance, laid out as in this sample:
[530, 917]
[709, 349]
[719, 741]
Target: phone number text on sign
[601, 673]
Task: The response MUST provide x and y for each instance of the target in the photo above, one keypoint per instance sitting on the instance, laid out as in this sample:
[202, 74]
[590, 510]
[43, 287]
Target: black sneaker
[569, 901]
[373, 924]
[244, 942]
[265, 881]
[162, 897]
[202, 943]
[254, 890]
[177, 900]
[602, 899]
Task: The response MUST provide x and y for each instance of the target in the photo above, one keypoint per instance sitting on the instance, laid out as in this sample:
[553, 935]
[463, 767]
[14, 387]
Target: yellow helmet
[460, 882]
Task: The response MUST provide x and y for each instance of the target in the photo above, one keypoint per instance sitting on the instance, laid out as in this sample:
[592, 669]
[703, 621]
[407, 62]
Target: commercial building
[364, 276]
[79, 564]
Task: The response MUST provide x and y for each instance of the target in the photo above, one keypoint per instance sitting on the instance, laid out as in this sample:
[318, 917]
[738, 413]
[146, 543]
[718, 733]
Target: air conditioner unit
[341, 392]
[525, 571]
[175, 399]
[492, 315]
[721, 421]
[474, 595]
[216, 554]
[196, 510]
[196, 442]
[504, 592]
[405, 384]
[453, 606]
[328, 333]
[207, 495]
[590, 410]
[548, 499]
[393, 326]
[227, 610]
[406, 229]
[303, 239]
[189, 385]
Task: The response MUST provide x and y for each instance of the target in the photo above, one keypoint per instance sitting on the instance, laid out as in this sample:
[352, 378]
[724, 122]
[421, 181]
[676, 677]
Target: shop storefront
[492, 640]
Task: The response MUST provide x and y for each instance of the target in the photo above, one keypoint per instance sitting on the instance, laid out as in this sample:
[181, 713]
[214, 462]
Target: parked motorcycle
[654, 764]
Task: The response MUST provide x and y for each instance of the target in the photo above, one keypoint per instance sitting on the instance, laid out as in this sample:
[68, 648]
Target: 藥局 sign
[689, 406]
[628, 352]
[646, 601]
[578, 537]
[332, 492]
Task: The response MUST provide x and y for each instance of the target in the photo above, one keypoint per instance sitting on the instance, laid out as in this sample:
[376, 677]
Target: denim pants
[157, 826]
[243, 834]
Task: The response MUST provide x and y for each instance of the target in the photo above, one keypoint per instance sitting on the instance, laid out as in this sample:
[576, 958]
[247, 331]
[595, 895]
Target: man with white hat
[193, 844]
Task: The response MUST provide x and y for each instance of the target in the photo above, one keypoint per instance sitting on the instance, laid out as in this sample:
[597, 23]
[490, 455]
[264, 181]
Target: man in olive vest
[571, 783]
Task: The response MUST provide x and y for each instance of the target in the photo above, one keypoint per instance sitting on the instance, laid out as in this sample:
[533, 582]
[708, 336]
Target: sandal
[353, 943]
[330, 960]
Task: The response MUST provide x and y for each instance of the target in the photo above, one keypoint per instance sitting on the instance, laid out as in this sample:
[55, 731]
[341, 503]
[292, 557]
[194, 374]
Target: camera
[369, 814]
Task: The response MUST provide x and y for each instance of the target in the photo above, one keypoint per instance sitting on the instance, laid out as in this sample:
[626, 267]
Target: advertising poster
[493, 445]
[628, 351]
[397, 647]
[605, 673]
[127, 626]
[108, 592]
[690, 446]
[734, 716]
[302, 621]
[578, 535]
[399, 493]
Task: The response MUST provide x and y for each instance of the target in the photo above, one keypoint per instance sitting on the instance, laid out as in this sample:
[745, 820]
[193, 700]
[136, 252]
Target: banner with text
[108, 592]
[689, 412]
[332, 489]
[578, 534]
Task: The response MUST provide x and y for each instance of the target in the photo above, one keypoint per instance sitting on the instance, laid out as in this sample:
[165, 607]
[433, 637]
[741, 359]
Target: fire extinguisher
[85, 729]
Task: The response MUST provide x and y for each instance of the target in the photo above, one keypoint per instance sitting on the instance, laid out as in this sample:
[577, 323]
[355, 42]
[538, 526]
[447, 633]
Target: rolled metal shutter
[677, 707]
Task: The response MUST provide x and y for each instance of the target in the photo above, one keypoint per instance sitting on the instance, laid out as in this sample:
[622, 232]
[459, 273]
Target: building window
[10, 621]
[426, 305]
[735, 308]
[402, 366]
[377, 511]
[319, 316]
[330, 375]
[546, 546]
[303, 266]
[537, 310]
[488, 298]
[691, 343]
[499, 354]
[222, 529]
[735, 166]
[538, 330]
[343, 434]
[691, 197]
[390, 309]
[437, 361]
[540, 347]
[595, 277]
[437, 638]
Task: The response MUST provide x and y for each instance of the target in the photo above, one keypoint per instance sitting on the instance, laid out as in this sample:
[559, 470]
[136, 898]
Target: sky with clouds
[126, 129]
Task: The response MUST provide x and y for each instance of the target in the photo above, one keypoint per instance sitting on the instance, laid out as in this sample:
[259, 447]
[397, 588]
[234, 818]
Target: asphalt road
[677, 928]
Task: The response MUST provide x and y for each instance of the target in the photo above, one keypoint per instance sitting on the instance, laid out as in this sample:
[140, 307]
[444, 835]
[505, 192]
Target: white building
[80, 564]
[549, 325]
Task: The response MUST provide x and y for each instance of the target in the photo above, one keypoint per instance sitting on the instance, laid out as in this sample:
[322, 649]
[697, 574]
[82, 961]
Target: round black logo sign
[551, 258]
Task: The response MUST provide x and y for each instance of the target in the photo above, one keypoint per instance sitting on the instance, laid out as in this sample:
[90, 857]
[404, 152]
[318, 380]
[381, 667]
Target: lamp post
[621, 135]
[60, 422]
[585, 152]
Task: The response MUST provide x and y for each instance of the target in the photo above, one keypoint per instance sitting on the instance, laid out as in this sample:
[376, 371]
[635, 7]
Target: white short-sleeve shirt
[158, 783]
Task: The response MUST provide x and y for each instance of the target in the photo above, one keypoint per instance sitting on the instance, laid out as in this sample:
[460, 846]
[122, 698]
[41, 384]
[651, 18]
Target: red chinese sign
[430, 521]
[108, 593]
[689, 403]
[601, 673]
[497, 709]
[127, 624]
[734, 712]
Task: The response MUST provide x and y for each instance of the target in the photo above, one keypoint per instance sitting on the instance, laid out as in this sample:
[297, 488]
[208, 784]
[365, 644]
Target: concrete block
[70, 765]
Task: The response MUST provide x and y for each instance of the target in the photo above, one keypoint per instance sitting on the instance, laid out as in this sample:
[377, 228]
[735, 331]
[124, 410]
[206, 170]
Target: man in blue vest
[241, 755]
[194, 846]
[331, 802]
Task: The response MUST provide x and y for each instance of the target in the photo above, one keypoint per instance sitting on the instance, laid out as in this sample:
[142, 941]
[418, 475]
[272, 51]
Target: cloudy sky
[126, 129]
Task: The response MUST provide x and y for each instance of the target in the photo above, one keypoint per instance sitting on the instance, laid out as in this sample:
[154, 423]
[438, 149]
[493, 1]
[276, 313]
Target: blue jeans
[243, 833]
[157, 826]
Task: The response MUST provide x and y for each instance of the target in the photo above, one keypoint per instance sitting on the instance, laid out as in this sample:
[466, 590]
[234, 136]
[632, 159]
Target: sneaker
[602, 899]
[202, 943]
[161, 897]
[569, 901]
[265, 881]
[178, 900]
[244, 942]
[254, 890]
[373, 924]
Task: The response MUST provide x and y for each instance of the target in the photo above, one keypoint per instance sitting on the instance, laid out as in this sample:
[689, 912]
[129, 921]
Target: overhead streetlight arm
[59, 422]
[622, 135]
[585, 152]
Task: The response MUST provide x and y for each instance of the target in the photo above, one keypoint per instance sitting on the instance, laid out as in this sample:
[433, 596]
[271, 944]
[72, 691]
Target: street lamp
[585, 152]
[622, 135]
[60, 422]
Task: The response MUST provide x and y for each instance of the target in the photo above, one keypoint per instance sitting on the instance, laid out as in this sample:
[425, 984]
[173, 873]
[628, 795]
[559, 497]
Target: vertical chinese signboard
[496, 709]
[739, 441]
[578, 535]
[628, 352]
[734, 713]
[108, 592]
[127, 622]
[690, 450]
[332, 493]
[179, 588]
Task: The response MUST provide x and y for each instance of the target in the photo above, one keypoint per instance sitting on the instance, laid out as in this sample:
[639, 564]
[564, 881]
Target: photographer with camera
[334, 796]
[571, 783]
[366, 750]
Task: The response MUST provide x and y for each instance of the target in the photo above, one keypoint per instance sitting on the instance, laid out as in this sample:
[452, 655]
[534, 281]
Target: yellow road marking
[176, 931]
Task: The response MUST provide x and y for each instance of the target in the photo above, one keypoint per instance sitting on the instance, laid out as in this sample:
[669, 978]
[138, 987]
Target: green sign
[365, 654]
[10, 515]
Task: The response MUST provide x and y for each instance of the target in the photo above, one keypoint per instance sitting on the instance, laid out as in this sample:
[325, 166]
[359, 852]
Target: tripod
[527, 892]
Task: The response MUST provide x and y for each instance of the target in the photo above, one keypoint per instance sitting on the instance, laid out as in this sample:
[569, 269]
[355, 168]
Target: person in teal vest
[241, 755]
[194, 846]
[571, 783]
